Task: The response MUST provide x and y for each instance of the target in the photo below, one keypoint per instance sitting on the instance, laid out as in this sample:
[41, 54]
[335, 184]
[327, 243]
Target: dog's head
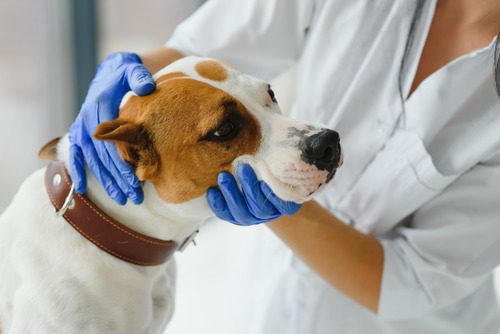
[205, 118]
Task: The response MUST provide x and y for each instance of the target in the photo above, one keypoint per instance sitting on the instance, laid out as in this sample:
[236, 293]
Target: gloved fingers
[219, 206]
[234, 199]
[117, 74]
[257, 202]
[123, 173]
[124, 176]
[103, 152]
[285, 207]
[105, 106]
[102, 174]
[77, 169]
[140, 79]
[127, 173]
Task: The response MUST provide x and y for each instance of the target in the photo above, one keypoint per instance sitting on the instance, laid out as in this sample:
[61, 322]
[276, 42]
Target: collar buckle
[188, 240]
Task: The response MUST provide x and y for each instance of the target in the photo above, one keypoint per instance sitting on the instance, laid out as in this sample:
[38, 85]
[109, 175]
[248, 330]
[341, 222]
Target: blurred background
[49, 51]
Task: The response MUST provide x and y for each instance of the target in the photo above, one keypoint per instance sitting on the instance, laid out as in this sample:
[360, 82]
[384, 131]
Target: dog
[203, 118]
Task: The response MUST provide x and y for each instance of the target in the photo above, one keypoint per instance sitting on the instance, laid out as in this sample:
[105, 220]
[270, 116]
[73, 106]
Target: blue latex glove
[256, 203]
[117, 74]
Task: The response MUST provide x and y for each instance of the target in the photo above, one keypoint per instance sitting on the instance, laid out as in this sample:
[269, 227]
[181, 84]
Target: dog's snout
[322, 150]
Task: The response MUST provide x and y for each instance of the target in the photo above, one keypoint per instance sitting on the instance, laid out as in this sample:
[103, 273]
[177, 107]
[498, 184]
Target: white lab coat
[425, 181]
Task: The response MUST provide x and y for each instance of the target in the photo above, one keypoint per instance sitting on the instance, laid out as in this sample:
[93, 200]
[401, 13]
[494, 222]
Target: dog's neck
[153, 217]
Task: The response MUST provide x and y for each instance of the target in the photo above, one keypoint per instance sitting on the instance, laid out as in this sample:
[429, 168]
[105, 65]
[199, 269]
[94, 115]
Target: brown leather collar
[100, 229]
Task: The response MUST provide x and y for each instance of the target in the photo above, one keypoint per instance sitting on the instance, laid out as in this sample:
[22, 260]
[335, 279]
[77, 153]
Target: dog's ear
[49, 150]
[119, 130]
[134, 145]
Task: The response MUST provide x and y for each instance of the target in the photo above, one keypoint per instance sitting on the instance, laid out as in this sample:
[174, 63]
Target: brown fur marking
[163, 136]
[49, 151]
[210, 69]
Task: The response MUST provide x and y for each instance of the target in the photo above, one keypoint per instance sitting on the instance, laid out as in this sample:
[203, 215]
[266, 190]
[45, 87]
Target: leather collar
[100, 229]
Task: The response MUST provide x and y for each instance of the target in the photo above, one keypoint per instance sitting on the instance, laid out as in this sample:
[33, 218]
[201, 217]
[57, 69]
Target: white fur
[52, 280]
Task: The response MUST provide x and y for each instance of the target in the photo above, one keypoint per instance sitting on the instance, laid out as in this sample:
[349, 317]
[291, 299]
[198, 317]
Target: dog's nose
[322, 150]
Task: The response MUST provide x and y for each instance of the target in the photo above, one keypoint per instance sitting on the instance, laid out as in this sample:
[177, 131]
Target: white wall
[35, 86]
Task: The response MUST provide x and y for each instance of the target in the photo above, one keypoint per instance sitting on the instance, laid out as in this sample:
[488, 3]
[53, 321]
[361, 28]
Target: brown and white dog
[203, 118]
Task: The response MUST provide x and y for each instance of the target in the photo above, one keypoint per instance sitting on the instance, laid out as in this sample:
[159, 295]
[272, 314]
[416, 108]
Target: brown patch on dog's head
[49, 150]
[182, 135]
[211, 69]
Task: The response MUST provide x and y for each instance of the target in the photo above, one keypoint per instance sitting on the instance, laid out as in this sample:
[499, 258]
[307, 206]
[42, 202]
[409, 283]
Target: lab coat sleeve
[447, 250]
[259, 37]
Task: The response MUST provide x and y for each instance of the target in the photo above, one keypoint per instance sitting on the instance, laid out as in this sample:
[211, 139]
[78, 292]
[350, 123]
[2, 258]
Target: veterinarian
[406, 237]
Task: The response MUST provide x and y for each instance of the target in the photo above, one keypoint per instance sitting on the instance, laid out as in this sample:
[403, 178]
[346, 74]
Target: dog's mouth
[295, 180]
[303, 187]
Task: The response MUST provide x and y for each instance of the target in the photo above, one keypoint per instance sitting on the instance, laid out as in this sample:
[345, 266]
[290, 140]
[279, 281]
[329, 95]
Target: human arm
[349, 260]
[158, 58]
[442, 253]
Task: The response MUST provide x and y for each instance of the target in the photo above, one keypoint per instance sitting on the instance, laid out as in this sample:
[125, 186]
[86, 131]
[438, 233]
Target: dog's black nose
[321, 149]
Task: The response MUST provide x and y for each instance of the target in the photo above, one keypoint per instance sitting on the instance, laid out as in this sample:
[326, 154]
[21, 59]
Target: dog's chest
[53, 278]
[111, 304]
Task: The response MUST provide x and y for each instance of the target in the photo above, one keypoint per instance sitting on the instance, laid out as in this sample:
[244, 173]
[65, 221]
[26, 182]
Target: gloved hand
[117, 74]
[255, 204]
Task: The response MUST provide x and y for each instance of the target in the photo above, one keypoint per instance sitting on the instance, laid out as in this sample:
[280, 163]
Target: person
[406, 237]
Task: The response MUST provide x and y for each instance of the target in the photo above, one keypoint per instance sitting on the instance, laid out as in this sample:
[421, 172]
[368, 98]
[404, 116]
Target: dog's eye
[271, 94]
[224, 130]
[229, 127]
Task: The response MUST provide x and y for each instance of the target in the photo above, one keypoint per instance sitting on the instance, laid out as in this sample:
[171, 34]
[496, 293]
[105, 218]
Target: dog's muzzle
[322, 150]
